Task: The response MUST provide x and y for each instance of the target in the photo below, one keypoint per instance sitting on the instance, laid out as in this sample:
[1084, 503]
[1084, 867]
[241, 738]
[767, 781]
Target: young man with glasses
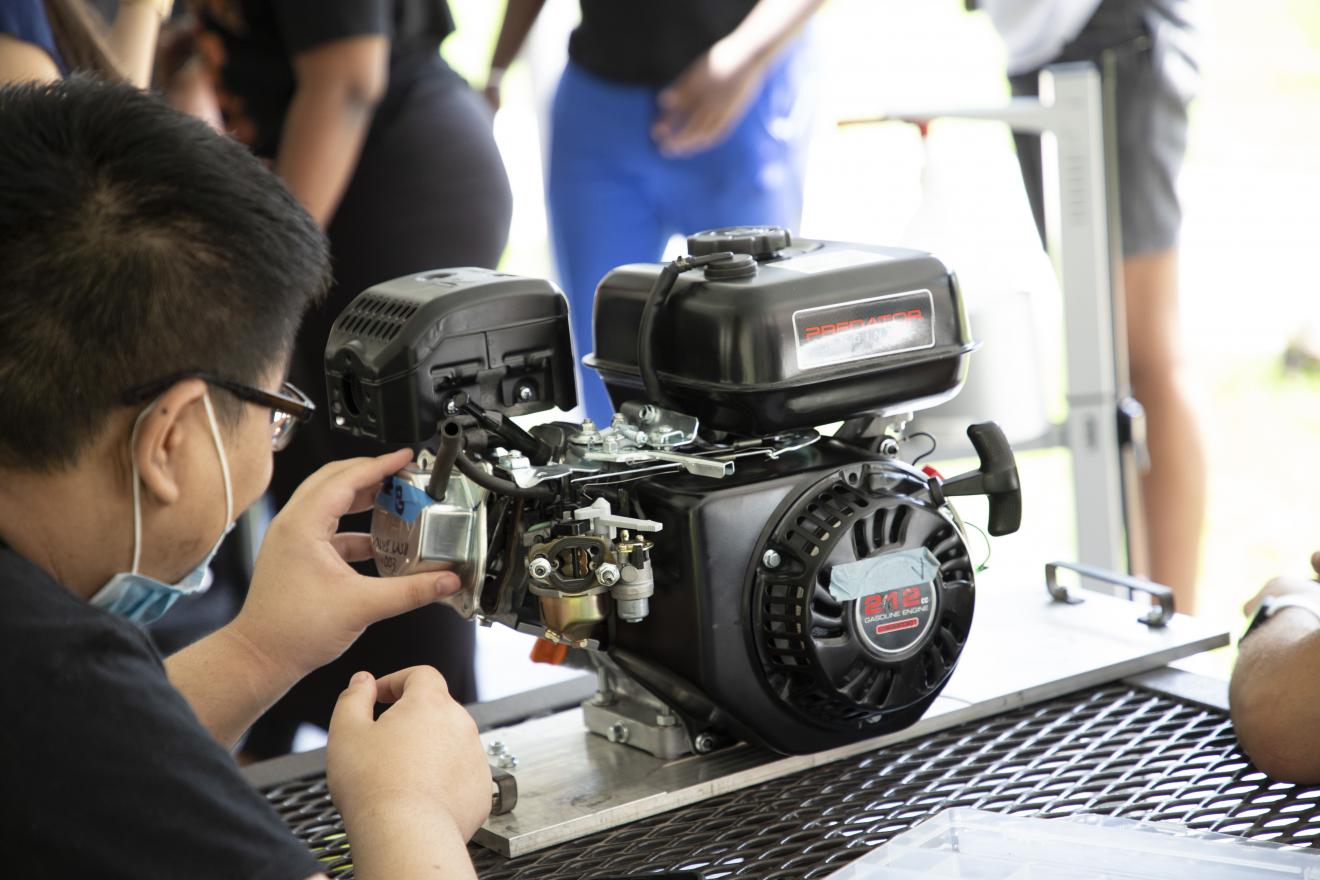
[154, 277]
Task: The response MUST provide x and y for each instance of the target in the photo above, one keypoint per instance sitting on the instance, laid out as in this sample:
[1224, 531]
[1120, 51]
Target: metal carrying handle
[1158, 616]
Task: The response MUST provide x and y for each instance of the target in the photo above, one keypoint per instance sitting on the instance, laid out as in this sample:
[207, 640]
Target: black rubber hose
[664, 282]
[451, 444]
[655, 300]
[478, 475]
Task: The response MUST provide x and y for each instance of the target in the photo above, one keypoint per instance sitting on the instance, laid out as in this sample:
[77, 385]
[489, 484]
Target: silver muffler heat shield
[412, 533]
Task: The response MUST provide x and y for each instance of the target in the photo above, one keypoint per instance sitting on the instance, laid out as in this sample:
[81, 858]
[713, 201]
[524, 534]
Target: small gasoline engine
[742, 552]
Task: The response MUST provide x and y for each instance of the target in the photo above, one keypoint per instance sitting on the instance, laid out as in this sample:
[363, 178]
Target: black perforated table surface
[1119, 750]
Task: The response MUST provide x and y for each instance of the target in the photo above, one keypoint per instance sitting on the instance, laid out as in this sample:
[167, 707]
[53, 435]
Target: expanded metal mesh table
[1119, 750]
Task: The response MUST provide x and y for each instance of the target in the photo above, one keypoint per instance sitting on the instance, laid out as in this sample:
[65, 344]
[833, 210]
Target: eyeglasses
[289, 406]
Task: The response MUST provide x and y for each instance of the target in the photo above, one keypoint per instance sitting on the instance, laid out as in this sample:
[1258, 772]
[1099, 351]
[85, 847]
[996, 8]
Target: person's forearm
[228, 681]
[770, 26]
[132, 38]
[519, 16]
[402, 840]
[1275, 696]
[324, 131]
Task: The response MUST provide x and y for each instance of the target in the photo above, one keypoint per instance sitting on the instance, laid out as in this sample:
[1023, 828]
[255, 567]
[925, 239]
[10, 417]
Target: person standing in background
[1152, 52]
[48, 39]
[393, 154]
[671, 117]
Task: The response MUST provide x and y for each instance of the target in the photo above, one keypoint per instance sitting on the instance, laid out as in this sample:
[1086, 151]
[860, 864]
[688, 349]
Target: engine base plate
[1023, 648]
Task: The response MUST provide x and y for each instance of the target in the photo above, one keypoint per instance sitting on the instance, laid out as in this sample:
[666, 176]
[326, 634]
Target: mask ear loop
[224, 461]
[137, 487]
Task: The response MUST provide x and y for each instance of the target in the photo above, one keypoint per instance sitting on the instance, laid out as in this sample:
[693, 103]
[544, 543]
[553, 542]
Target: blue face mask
[143, 599]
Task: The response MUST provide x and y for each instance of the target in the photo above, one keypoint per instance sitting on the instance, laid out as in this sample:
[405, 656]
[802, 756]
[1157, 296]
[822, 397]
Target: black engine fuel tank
[805, 333]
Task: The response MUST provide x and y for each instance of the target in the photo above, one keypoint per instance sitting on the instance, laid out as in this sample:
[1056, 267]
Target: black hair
[135, 243]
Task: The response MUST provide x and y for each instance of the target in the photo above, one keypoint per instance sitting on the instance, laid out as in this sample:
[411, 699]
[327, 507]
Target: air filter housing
[404, 350]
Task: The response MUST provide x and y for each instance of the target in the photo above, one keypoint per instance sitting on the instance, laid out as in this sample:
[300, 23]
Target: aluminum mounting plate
[1024, 648]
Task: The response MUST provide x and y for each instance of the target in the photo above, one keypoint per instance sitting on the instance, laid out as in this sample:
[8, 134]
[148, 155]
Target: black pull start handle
[997, 478]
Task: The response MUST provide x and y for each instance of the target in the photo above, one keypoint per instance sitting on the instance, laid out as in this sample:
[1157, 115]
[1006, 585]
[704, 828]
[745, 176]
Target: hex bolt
[703, 743]
[497, 748]
[540, 568]
[618, 732]
[451, 407]
[648, 414]
[507, 762]
[771, 559]
[608, 574]
[525, 392]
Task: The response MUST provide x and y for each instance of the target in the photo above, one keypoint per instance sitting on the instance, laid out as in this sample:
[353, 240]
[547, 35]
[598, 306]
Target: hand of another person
[420, 756]
[700, 108]
[1281, 586]
[306, 604]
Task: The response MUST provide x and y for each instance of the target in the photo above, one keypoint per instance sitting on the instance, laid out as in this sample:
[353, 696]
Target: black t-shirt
[104, 769]
[650, 42]
[249, 46]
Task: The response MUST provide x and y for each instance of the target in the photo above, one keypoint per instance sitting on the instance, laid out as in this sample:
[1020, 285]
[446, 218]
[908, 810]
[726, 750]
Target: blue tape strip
[402, 499]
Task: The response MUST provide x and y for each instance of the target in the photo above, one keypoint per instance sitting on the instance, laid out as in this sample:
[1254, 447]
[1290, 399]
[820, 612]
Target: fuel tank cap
[758, 241]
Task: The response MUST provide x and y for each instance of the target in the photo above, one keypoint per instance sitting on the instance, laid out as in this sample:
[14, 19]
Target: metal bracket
[1158, 616]
[504, 796]
[693, 464]
[604, 522]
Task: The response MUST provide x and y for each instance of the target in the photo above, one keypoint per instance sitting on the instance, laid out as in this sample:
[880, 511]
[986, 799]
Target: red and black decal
[894, 621]
[864, 329]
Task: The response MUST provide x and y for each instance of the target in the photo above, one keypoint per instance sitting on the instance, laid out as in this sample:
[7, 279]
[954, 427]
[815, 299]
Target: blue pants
[613, 198]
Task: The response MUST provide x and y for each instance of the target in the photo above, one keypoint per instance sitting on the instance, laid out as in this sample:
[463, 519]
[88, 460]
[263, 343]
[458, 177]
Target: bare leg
[1173, 492]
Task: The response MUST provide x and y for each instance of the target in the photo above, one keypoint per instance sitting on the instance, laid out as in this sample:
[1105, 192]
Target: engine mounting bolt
[540, 568]
[618, 732]
[608, 574]
[704, 743]
[525, 392]
[771, 559]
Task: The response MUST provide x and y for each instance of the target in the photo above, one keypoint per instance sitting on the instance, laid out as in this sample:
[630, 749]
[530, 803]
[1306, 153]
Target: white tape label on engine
[828, 261]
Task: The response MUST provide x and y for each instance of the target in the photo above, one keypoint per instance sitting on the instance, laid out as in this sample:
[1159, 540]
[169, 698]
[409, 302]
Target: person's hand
[701, 107]
[1282, 586]
[306, 604]
[421, 755]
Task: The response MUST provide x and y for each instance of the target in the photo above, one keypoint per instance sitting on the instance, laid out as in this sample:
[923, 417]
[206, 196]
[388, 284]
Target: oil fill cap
[760, 242]
[737, 266]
